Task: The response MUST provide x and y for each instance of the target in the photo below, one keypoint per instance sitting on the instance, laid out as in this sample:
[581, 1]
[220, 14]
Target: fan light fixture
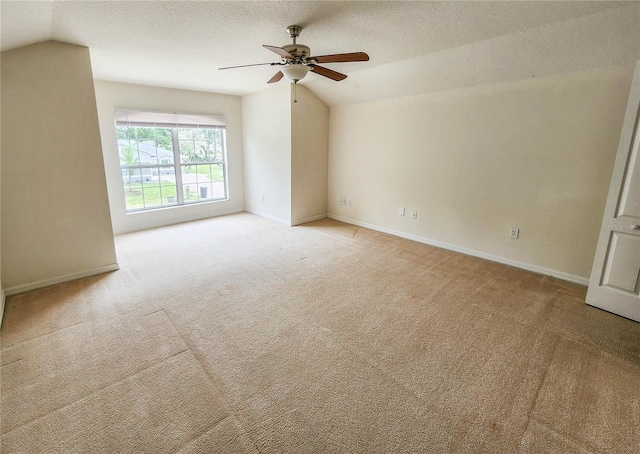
[295, 72]
[296, 61]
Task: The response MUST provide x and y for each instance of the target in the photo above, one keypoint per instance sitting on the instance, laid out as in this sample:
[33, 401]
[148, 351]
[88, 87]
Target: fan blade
[277, 76]
[331, 74]
[278, 50]
[341, 58]
[244, 66]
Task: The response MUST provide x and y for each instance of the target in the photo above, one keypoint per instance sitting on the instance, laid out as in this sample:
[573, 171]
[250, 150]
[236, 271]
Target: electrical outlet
[348, 202]
[263, 197]
[414, 214]
[401, 212]
[514, 233]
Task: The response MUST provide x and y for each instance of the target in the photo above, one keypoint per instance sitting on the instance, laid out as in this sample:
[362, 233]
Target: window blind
[167, 120]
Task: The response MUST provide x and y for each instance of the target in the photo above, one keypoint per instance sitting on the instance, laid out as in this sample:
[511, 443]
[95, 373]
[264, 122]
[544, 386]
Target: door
[615, 278]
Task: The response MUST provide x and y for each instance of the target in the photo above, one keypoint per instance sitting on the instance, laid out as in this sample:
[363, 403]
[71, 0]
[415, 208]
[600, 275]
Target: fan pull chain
[293, 90]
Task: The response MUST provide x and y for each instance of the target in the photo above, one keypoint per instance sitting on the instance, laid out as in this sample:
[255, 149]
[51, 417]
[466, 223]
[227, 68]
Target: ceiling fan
[296, 60]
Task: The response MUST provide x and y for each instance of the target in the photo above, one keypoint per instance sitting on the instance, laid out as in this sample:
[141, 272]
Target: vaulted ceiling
[414, 47]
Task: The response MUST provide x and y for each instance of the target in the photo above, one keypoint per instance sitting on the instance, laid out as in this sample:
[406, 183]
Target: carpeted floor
[237, 334]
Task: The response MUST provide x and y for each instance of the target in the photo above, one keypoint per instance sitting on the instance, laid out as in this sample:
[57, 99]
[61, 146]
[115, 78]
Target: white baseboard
[60, 279]
[268, 216]
[463, 250]
[139, 225]
[284, 221]
[311, 219]
[2, 298]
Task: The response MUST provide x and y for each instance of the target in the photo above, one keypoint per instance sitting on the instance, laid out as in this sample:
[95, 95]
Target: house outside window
[170, 160]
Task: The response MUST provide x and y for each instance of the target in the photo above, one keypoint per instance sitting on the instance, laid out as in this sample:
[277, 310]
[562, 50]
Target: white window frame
[174, 122]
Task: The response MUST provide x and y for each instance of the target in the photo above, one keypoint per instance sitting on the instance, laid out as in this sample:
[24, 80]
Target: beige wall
[55, 211]
[309, 155]
[2, 296]
[536, 155]
[266, 118]
[112, 95]
[285, 149]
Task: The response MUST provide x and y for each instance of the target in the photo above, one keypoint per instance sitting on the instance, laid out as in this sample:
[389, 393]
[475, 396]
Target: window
[170, 160]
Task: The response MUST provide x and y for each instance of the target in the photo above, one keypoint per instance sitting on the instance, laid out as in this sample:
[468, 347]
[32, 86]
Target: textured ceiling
[415, 47]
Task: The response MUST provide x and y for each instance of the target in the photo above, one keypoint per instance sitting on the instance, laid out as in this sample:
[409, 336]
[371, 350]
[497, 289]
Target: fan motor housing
[298, 50]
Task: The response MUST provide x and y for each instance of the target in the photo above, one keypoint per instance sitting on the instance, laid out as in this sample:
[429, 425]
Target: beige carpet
[237, 334]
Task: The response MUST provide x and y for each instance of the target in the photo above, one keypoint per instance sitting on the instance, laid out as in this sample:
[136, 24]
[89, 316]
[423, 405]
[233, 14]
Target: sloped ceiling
[415, 47]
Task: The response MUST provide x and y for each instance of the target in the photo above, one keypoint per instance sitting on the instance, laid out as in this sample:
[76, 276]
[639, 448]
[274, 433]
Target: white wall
[536, 155]
[55, 212]
[286, 153]
[112, 95]
[309, 156]
[266, 118]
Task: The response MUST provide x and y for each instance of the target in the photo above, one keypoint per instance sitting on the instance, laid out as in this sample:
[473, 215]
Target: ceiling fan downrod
[294, 32]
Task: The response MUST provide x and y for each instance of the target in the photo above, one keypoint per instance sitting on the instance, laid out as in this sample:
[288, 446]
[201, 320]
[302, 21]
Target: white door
[615, 278]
